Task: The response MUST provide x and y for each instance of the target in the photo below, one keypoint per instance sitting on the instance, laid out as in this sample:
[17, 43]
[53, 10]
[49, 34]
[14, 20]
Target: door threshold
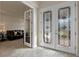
[58, 50]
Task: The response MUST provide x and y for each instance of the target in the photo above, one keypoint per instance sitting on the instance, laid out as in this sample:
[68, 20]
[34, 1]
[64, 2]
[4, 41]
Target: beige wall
[11, 22]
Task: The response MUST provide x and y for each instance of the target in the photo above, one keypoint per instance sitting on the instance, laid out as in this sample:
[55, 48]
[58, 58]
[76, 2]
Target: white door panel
[69, 24]
[42, 41]
[65, 41]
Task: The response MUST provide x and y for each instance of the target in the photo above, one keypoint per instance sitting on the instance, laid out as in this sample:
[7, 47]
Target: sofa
[15, 34]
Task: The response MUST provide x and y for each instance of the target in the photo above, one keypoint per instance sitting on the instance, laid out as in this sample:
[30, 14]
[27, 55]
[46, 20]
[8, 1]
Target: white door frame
[30, 19]
[77, 28]
[34, 8]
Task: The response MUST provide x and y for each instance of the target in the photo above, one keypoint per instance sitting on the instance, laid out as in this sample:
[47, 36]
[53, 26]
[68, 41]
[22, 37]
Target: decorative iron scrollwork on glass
[47, 26]
[64, 26]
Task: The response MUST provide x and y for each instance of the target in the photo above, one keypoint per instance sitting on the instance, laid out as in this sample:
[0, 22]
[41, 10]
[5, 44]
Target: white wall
[44, 4]
[12, 23]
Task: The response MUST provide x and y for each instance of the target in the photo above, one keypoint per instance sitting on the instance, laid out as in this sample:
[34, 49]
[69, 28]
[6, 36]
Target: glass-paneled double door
[58, 27]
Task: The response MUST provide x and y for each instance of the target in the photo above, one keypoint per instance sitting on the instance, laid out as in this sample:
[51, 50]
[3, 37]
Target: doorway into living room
[15, 25]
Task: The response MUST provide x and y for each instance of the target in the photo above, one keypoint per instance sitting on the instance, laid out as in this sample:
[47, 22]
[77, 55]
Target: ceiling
[13, 8]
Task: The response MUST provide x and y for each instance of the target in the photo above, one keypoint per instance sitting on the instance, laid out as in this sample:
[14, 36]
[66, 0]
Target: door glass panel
[47, 19]
[28, 27]
[64, 26]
